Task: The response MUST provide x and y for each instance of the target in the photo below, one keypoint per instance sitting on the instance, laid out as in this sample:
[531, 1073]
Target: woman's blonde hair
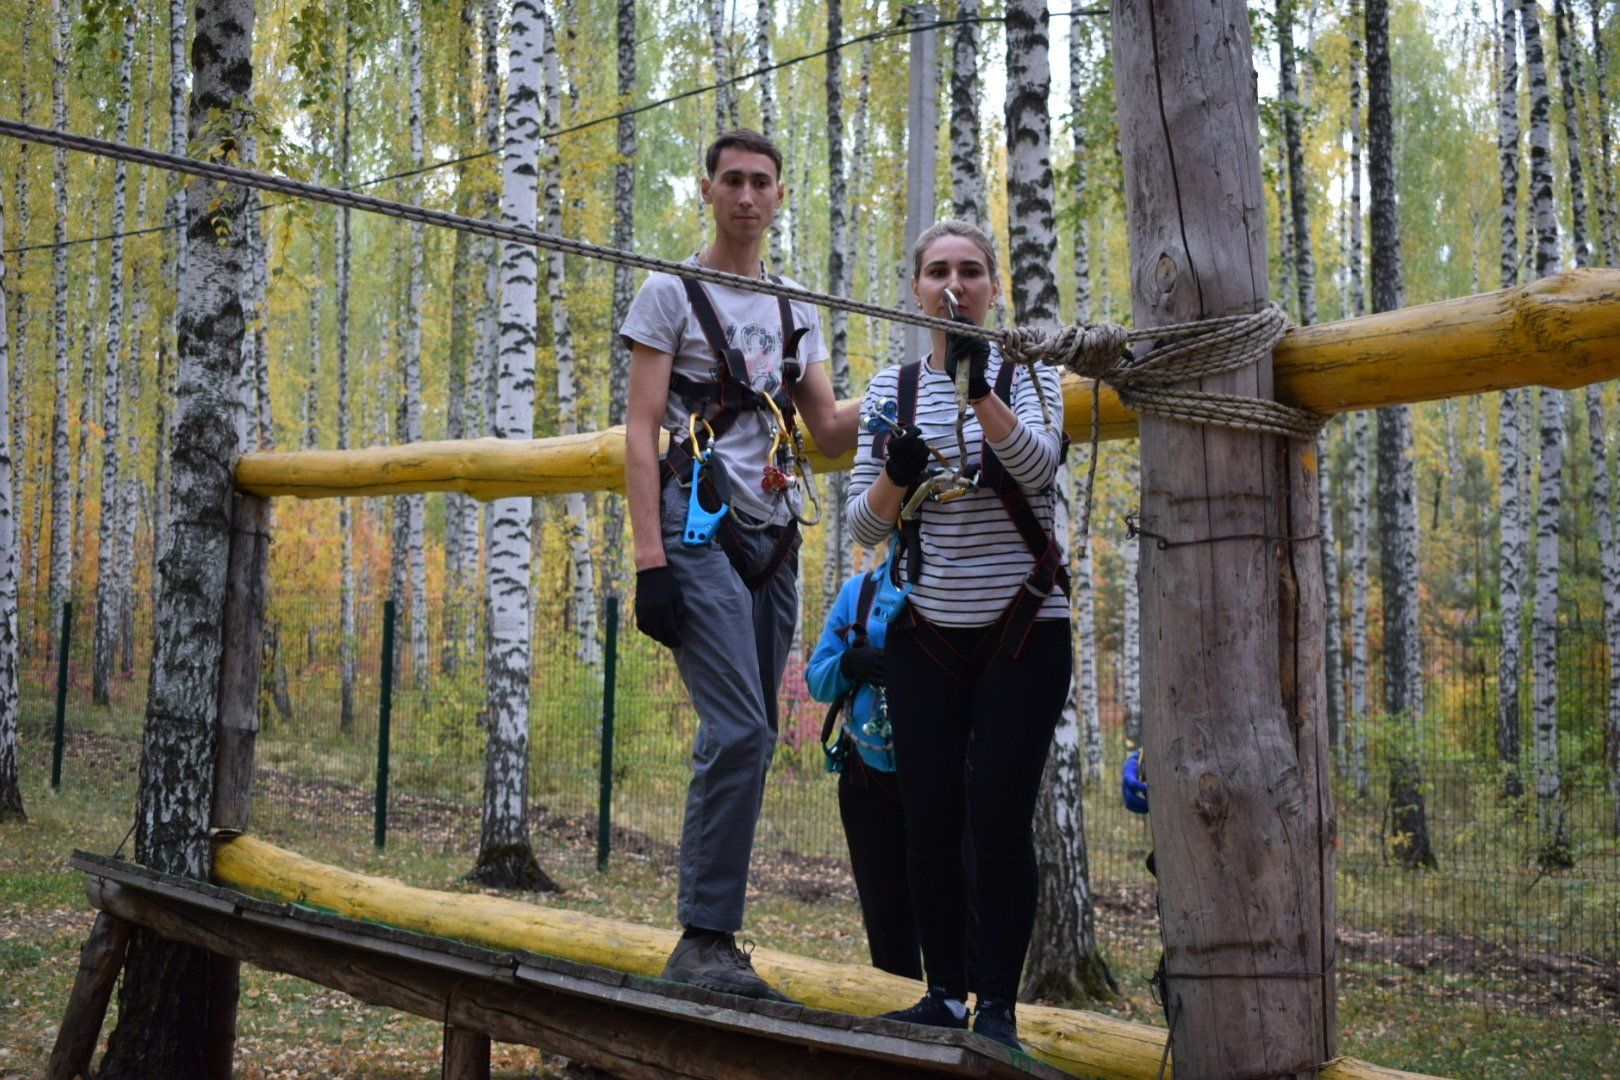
[953, 227]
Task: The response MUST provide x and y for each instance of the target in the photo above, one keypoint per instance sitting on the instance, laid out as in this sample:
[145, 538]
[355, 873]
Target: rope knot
[1091, 350]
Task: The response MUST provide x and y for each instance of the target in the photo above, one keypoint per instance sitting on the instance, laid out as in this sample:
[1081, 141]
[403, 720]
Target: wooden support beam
[1561, 331]
[99, 964]
[1080, 1042]
[466, 1054]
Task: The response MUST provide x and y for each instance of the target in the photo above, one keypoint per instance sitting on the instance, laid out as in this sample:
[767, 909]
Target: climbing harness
[701, 522]
[869, 604]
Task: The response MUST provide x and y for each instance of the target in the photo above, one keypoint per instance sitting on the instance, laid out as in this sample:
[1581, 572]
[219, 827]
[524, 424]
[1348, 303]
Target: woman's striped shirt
[974, 561]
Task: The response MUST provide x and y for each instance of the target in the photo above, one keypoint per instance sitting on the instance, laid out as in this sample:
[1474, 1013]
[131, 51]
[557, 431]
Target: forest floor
[1433, 1016]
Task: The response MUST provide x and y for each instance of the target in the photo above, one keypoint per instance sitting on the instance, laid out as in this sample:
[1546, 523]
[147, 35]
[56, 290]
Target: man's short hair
[743, 139]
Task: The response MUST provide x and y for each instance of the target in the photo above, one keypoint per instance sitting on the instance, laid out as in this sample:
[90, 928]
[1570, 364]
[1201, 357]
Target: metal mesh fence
[1491, 922]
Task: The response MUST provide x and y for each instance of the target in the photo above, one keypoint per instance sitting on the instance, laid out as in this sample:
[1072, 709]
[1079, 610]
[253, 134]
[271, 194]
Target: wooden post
[99, 963]
[239, 679]
[922, 151]
[466, 1054]
[1231, 609]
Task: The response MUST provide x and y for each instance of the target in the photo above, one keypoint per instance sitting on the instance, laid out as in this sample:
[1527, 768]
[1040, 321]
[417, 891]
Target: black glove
[658, 605]
[908, 456]
[976, 351]
[862, 664]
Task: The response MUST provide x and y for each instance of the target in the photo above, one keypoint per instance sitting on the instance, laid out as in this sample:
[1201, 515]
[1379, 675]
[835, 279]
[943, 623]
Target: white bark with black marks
[61, 580]
[1360, 530]
[1607, 213]
[1358, 291]
[1597, 426]
[1542, 212]
[836, 552]
[411, 368]
[1513, 564]
[764, 30]
[506, 857]
[1032, 241]
[1130, 660]
[1334, 643]
[1085, 623]
[1080, 62]
[624, 237]
[1555, 839]
[105, 647]
[21, 402]
[1304, 263]
[969, 200]
[583, 603]
[348, 660]
[167, 988]
[1568, 45]
[12, 807]
[725, 98]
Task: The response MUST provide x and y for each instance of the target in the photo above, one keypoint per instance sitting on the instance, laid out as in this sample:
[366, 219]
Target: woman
[978, 665]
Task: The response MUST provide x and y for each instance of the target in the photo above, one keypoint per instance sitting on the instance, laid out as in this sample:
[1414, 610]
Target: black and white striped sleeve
[867, 526]
[1031, 451]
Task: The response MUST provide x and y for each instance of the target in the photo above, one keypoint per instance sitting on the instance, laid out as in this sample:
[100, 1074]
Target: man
[712, 358]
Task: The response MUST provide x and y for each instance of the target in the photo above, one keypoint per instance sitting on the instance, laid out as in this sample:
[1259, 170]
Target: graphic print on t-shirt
[760, 346]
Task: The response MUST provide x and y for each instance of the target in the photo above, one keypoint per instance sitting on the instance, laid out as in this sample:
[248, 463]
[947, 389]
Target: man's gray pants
[734, 647]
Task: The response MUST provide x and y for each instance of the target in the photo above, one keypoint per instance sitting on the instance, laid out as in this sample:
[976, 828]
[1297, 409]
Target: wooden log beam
[1561, 331]
[1085, 1043]
[99, 964]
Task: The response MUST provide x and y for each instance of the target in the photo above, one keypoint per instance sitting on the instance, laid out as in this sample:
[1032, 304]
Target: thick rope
[1099, 351]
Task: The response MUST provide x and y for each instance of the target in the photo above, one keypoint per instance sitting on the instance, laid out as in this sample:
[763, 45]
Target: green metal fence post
[385, 712]
[61, 695]
[610, 679]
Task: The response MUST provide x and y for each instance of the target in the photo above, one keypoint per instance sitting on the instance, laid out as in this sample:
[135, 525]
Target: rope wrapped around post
[1185, 351]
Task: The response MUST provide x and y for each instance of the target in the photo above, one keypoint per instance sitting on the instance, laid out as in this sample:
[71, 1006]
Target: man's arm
[832, 425]
[649, 397]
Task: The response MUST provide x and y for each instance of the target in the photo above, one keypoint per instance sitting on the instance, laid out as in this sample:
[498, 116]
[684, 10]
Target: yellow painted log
[1084, 1043]
[1561, 331]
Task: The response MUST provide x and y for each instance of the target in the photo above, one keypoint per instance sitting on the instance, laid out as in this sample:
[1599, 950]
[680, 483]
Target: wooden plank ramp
[628, 1025]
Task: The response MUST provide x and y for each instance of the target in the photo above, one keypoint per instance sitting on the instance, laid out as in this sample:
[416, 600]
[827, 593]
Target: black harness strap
[1011, 628]
[732, 393]
[863, 611]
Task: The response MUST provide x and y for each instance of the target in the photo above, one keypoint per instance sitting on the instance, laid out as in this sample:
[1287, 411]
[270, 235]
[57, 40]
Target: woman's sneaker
[936, 1009]
[995, 1020]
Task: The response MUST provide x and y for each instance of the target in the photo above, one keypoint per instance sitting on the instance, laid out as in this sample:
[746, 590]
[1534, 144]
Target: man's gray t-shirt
[661, 317]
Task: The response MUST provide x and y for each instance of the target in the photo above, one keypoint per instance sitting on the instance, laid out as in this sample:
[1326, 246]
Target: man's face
[745, 193]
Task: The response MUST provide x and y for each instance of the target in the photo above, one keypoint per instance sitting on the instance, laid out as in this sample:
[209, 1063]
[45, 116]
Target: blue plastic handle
[891, 595]
[701, 522]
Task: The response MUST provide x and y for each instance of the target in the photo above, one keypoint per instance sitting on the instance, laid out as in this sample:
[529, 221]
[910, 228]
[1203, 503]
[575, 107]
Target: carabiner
[701, 522]
[692, 421]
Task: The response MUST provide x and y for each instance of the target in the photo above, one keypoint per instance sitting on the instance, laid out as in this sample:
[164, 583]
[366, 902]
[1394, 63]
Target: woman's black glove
[658, 605]
[908, 457]
[976, 351]
[862, 664]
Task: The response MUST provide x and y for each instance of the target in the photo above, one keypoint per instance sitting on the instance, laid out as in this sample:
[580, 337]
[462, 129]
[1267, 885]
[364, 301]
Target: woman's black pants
[972, 727]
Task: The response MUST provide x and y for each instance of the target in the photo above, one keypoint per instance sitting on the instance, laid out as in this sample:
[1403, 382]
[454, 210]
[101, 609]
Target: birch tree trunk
[1293, 111]
[1079, 65]
[1555, 847]
[61, 468]
[411, 373]
[725, 98]
[88, 367]
[1606, 205]
[1130, 664]
[1085, 601]
[312, 388]
[488, 354]
[11, 798]
[1358, 292]
[21, 404]
[1241, 803]
[1597, 427]
[169, 344]
[345, 241]
[835, 560]
[1360, 529]
[587, 651]
[624, 236]
[107, 591]
[969, 200]
[1334, 637]
[505, 856]
[1511, 553]
[1563, 31]
[170, 990]
[1064, 958]
[1397, 494]
[764, 31]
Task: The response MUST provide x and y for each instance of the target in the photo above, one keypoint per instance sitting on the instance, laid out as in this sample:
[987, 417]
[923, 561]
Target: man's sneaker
[995, 1020]
[714, 962]
[936, 1009]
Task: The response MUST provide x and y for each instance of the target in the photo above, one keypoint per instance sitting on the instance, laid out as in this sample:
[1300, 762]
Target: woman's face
[955, 263]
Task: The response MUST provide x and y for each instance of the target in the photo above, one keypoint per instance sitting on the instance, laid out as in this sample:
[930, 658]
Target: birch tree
[169, 989]
[1064, 958]
[347, 660]
[1130, 659]
[11, 798]
[624, 237]
[969, 201]
[1511, 547]
[764, 30]
[1334, 645]
[1555, 849]
[1358, 292]
[1079, 64]
[1360, 530]
[21, 404]
[1293, 118]
[1606, 204]
[725, 97]
[1085, 623]
[1563, 34]
[1397, 493]
[107, 586]
[505, 856]
[835, 561]
[583, 602]
[61, 468]
[1597, 427]
[411, 368]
